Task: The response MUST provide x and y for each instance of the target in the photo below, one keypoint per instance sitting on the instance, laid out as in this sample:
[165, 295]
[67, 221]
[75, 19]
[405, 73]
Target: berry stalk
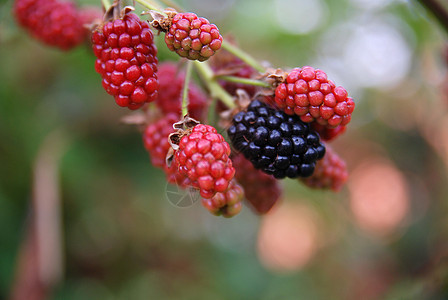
[173, 4]
[106, 4]
[185, 89]
[437, 9]
[216, 90]
[242, 80]
[243, 56]
[150, 6]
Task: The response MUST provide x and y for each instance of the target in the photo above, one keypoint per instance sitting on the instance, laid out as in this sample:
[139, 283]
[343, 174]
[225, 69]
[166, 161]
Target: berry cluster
[193, 37]
[275, 131]
[274, 142]
[203, 157]
[55, 23]
[309, 94]
[126, 60]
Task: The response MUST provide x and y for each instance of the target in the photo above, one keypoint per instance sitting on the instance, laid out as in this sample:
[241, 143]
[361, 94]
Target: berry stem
[149, 5]
[244, 80]
[243, 56]
[106, 4]
[216, 90]
[170, 3]
[185, 88]
[437, 9]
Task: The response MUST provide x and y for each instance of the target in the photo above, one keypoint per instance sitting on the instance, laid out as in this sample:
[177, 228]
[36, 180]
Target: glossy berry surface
[274, 142]
[226, 204]
[55, 23]
[261, 190]
[203, 157]
[193, 37]
[126, 60]
[331, 172]
[309, 94]
[171, 82]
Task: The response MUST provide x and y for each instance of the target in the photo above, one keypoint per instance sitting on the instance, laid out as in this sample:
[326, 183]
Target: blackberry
[276, 143]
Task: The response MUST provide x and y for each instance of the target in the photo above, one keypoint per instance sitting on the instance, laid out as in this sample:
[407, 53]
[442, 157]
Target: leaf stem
[185, 88]
[438, 10]
[149, 5]
[172, 4]
[106, 4]
[243, 56]
[243, 80]
[216, 90]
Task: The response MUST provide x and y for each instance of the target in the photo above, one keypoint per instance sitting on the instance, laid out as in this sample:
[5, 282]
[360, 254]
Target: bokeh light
[288, 237]
[300, 16]
[379, 197]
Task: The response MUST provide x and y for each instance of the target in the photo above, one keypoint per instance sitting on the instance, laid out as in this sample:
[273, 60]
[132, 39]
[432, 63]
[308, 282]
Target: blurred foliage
[124, 240]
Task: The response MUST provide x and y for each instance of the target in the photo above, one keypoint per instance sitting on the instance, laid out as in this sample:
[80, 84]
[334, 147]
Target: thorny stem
[438, 11]
[216, 90]
[243, 56]
[244, 80]
[185, 89]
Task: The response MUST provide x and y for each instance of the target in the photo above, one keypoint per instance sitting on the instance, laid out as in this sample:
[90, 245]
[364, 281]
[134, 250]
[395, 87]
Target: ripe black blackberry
[277, 144]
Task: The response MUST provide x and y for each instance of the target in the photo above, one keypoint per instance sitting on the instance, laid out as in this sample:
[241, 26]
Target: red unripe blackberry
[308, 93]
[203, 156]
[327, 134]
[171, 82]
[55, 23]
[330, 173]
[274, 142]
[155, 138]
[226, 204]
[173, 175]
[260, 189]
[193, 37]
[126, 60]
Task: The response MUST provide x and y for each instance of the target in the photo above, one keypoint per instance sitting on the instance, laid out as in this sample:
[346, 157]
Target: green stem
[211, 115]
[438, 10]
[215, 89]
[185, 89]
[243, 56]
[149, 6]
[172, 4]
[106, 4]
[244, 80]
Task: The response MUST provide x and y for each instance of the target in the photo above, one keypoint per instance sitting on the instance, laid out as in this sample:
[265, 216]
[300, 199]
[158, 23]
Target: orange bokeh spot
[379, 197]
[288, 237]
